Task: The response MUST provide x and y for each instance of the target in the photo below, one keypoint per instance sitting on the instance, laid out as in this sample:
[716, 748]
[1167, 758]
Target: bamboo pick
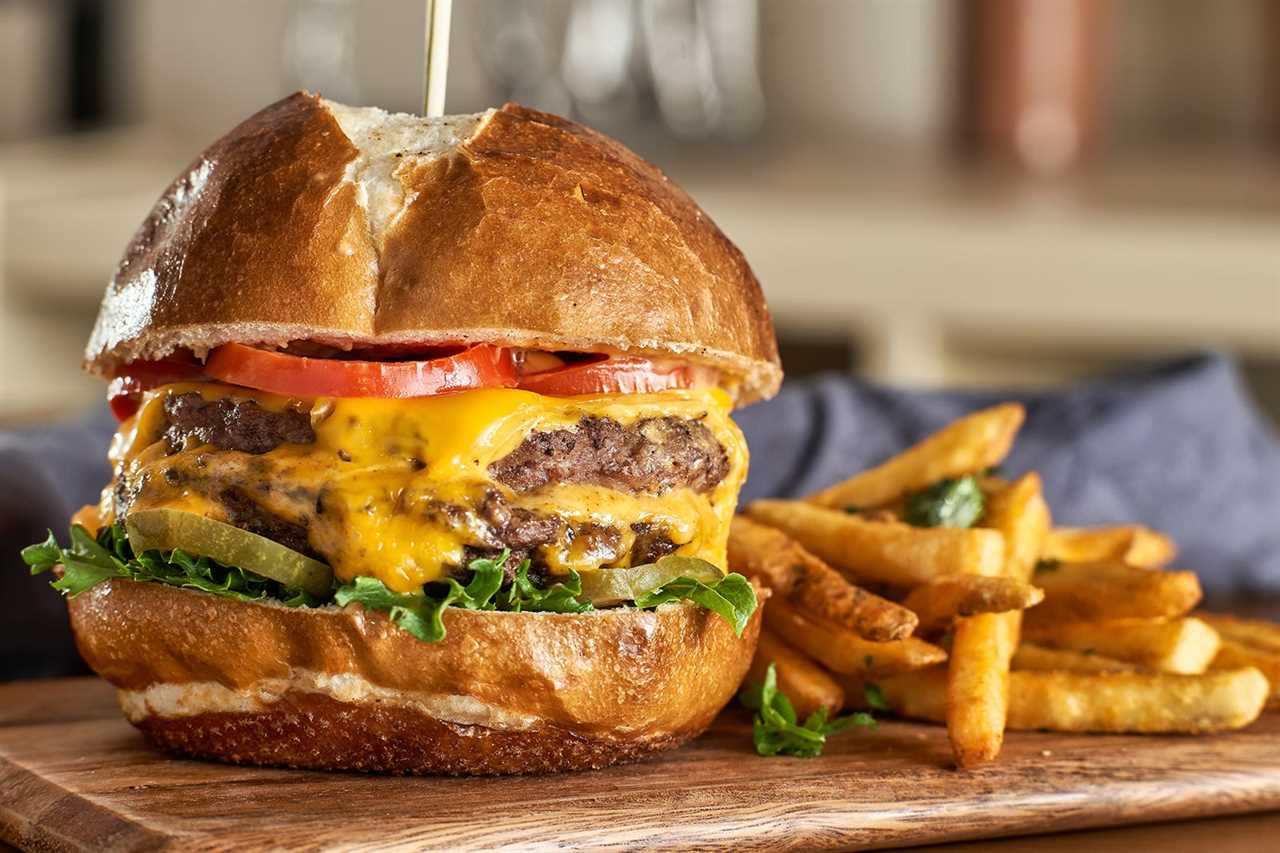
[436, 56]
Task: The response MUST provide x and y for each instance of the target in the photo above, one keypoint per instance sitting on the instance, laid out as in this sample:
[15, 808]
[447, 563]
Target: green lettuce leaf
[776, 730]
[422, 613]
[88, 562]
[561, 597]
[731, 597]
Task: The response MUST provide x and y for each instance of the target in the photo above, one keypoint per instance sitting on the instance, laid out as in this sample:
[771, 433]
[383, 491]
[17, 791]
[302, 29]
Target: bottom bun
[344, 689]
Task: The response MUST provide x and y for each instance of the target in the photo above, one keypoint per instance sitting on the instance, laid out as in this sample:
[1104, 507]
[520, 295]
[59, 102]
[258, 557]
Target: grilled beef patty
[232, 424]
[652, 455]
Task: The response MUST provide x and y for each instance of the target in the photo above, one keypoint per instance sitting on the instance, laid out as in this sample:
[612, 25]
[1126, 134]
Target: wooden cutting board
[75, 776]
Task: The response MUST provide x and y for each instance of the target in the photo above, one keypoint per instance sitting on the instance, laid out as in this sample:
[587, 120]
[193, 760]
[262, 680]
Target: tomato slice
[615, 375]
[479, 366]
[124, 391]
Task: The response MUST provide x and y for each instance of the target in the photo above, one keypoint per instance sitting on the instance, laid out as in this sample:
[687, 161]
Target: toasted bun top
[356, 227]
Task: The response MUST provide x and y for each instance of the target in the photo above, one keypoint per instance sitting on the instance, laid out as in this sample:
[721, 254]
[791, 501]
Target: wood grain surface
[75, 776]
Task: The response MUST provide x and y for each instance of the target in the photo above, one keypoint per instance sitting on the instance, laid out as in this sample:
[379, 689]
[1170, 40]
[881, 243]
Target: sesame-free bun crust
[344, 689]
[355, 227]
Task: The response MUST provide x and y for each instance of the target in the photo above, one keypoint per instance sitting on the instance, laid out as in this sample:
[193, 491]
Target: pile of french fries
[1008, 623]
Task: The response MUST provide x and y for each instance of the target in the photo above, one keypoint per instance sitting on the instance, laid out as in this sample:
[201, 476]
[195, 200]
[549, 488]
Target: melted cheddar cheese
[377, 488]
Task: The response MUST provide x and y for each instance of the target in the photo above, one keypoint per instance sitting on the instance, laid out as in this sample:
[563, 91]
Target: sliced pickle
[169, 529]
[615, 586]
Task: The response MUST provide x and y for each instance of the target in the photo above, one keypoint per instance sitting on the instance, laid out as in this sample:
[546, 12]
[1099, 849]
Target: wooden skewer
[436, 56]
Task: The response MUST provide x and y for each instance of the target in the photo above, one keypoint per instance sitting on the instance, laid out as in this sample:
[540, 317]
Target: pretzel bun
[354, 227]
[344, 689]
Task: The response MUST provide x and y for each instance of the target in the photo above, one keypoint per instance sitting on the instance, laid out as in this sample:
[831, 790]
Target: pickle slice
[614, 586]
[169, 529]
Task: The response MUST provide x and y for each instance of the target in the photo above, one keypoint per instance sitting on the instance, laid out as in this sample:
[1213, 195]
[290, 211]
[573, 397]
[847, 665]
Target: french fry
[1019, 513]
[1093, 592]
[978, 685]
[841, 650]
[1033, 656]
[1129, 543]
[1251, 632]
[883, 552]
[940, 602]
[1143, 703]
[920, 694]
[805, 683]
[811, 585]
[1236, 655]
[1185, 646]
[978, 672]
[1118, 702]
[972, 444]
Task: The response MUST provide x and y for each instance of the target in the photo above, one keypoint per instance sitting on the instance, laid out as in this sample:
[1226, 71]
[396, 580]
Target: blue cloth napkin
[1178, 446]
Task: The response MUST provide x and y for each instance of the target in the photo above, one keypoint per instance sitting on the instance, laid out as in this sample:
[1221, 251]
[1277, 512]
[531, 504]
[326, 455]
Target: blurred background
[998, 192]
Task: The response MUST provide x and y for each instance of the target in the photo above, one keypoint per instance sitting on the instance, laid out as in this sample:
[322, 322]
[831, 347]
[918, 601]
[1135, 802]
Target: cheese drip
[378, 490]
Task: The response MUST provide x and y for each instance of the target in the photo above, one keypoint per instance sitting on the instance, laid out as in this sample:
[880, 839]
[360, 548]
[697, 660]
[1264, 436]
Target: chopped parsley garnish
[957, 502]
[777, 731]
[875, 697]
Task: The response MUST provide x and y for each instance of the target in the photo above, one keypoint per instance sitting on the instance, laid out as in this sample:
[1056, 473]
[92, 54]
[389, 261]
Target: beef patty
[231, 424]
[652, 455]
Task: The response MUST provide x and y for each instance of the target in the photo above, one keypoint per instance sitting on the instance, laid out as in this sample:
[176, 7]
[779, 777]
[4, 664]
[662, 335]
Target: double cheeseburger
[425, 462]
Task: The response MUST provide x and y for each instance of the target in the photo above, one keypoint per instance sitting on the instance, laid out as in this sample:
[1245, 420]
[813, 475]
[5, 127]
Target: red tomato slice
[615, 375]
[479, 366]
[124, 392]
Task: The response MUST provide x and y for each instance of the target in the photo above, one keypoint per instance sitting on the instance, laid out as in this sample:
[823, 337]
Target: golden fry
[1021, 516]
[1186, 645]
[978, 672]
[883, 552]
[841, 650]
[1093, 592]
[1118, 702]
[1143, 703]
[1033, 656]
[940, 602]
[1252, 632]
[1236, 655]
[978, 685]
[967, 446]
[811, 585]
[1130, 543]
[805, 683]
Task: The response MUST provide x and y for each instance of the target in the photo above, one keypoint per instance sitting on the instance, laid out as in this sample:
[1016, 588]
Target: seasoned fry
[1118, 702]
[1033, 656]
[805, 683]
[967, 446]
[841, 650]
[811, 585]
[1252, 632]
[978, 673]
[1236, 655]
[1144, 703]
[883, 552]
[1020, 514]
[920, 694]
[1093, 592]
[1186, 645]
[939, 602]
[1130, 543]
[978, 685]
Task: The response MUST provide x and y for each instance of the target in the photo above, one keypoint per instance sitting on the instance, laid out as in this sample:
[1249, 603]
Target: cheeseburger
[425, 462]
